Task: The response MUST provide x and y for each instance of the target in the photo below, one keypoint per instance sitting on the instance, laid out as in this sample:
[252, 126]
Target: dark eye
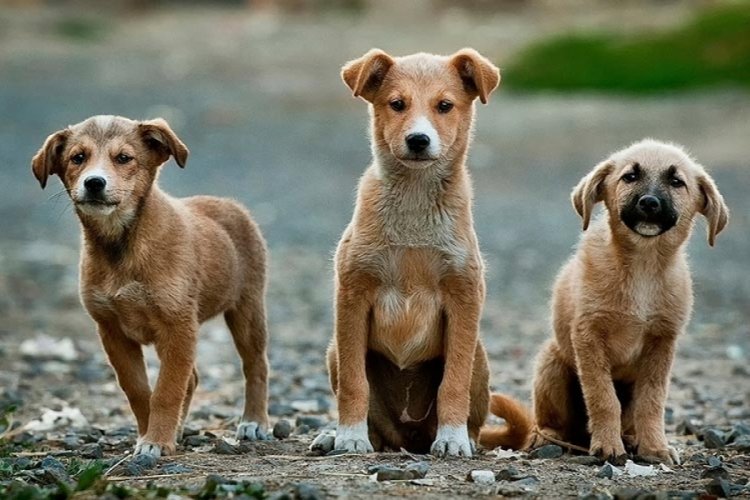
[398, 105]
[676, 182]
[78, 159]
[444, 106]
[122, 158]
[630, 177]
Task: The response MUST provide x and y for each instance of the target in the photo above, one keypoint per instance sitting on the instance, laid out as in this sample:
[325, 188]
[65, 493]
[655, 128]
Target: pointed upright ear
[479, 76]
[589, 191]
[161, 139]
[365, 75]
[714, 209]
[48, 160]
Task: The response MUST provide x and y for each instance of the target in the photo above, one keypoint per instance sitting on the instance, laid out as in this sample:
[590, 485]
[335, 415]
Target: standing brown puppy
[621, 302]
[406, 362]
[153, 268]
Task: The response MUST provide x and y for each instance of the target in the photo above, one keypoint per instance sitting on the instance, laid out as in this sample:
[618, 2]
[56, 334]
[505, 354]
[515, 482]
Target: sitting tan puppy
[153, 268]
[406, 362]
[621, 302]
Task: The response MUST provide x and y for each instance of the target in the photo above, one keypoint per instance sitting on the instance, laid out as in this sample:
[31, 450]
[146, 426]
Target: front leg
[175, 346]
[649, 398]
[602, 406]
[126, 357]
[353, 390]
[463, 306]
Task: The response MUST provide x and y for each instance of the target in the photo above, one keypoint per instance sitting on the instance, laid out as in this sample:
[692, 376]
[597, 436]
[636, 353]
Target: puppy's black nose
[649, 205]
[94, 184]
[417, 142]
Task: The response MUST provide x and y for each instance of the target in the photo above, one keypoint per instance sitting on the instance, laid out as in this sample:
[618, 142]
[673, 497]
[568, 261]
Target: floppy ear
[161, 139]
[365, 75]
[479, 75]
[47, 160]
[714, 208]
[588, 192]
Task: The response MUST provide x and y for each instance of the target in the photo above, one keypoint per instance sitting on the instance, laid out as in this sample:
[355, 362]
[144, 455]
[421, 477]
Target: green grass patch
[712, 49]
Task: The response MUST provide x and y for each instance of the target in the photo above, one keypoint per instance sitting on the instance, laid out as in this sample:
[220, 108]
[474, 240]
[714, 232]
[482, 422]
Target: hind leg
[553, 411]
[247, 322]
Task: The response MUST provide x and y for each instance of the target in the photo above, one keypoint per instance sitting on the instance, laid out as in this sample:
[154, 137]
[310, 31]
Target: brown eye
[397, 105]
[676, 182]
[122, 158]
[78, 159]
[633, 175]
[444, 106]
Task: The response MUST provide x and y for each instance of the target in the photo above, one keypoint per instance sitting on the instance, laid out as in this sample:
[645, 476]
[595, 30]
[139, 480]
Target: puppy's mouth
[416, 162]
[93, 206]
[649, 227]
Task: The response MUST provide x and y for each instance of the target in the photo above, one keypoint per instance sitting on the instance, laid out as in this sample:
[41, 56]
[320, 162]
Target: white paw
[324, 442]
[251, 431]
[146, 448]
[452, 441]
[353, 438]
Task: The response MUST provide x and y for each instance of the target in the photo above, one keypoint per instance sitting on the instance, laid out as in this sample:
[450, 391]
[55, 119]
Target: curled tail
[518, 424]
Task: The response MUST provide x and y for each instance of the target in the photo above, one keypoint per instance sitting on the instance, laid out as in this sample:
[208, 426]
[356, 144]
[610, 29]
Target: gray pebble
[53, 471]
[389, 473]
[305, 491]
[282, 429]
[145, 460]
[547, 451]
[418, 469]
[91, 450]
[509, 474]
[195, 441]
[719, 487]
[587, 460]
[713, 439]
[223, 448]
[714, 472]
[713, 461]
[742, 444]
[607, 471]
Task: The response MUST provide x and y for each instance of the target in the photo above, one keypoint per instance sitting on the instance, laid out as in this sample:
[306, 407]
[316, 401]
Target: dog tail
[518, 424]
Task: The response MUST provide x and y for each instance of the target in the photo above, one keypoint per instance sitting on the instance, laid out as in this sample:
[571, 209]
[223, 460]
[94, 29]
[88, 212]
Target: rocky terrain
[258, 100]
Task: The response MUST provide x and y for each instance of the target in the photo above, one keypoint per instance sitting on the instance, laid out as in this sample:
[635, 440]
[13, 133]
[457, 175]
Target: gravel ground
[271, 125]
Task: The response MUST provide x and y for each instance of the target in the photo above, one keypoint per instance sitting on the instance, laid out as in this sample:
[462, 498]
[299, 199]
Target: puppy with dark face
[153, 268]
[406, 362]
[621, 302]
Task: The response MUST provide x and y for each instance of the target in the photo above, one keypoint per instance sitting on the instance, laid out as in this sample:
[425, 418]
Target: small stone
[738, 430]
[713, 461]
[196, 440]
[529, 483]
[188, 431]
[305, 491]
[418, 470]
[53, 471]
[389, 473]
[282, 429]
[145, 460]
[713, 439]
[175, 468]
[719, 487]
[223, 448]
[484, 477]
[310, 421]
[71, 442]
[509, 474]
[323, 442]
[91, 450]
[742, 444]
[302, 429]
[629, 493]
[714, 472]
[608, 471]
[547, 451]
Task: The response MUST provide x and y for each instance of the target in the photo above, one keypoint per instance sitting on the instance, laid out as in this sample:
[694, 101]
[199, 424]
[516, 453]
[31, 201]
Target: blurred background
[253, 89]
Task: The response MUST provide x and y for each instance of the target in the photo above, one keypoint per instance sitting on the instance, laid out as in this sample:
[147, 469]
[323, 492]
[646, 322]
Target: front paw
[452, 441]
[156, 450]
[665, 454]
[353, 439]
[608, 448]
[251, 431]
